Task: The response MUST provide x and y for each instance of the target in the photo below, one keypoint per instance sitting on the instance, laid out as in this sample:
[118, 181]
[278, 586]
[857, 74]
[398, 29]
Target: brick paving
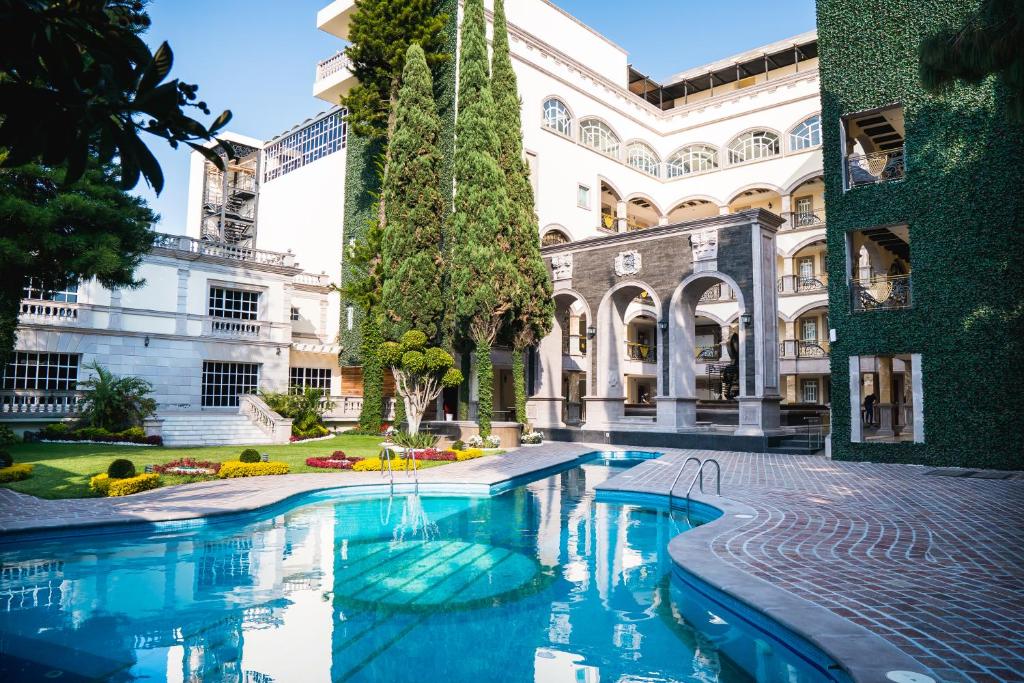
[933, 564]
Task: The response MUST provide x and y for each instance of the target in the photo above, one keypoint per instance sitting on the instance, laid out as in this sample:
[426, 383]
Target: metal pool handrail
[679, 474]
[700, 477]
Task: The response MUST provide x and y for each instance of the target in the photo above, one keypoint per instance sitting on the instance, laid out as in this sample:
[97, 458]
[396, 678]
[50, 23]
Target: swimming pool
[541, 582]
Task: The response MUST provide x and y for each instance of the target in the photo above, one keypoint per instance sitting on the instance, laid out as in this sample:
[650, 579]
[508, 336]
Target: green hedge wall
[962, 199]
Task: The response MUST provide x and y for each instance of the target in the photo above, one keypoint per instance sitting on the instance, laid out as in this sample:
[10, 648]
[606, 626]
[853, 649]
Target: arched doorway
[563, 365]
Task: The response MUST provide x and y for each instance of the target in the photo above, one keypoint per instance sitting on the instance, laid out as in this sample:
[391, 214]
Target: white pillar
[620, 216]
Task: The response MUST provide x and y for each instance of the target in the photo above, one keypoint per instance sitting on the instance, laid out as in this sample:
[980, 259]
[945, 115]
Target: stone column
[723, 210]
[181, 313]
[790, 381]
[885, 404]
[620, 216]
[726, 335]
[788, 279]
[786, 211]
[546, 404]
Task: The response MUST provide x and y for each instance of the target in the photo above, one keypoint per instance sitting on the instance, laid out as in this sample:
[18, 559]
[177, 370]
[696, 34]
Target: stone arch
[806, 242]
[556, 227]
[735, 194]
[804, 309]
[610, 338]
[788, 189]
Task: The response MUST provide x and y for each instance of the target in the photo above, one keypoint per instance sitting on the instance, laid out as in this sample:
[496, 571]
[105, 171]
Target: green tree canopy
[421, 373]
[381, 32]
[482, 275]
[65, 233]
[77, 82]
[533, 309]
[991, 41]
[415, 208]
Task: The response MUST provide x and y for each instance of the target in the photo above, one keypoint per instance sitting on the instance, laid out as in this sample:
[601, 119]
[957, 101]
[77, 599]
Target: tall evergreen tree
[482, 274]
[411, 239]
[533, 308]
[991, 41]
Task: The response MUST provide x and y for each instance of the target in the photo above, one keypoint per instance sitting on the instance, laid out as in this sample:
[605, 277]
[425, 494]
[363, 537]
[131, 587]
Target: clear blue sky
[257, 57]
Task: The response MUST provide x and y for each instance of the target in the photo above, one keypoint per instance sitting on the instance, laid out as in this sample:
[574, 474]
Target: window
[804, 211]
[235, 304]
[809, 391]
[692, 159]
[583, 196]
[557, 117]
[806, 135]
[809, 329]
[295, 314]
[757, 144]
[41, 371]
[597, 135]
[642, 158]
[309, 378]
[350, 314]
[37, 289]
[224, 382]
[552, 237]
[807, 268]
[317, 140]
[873, 146]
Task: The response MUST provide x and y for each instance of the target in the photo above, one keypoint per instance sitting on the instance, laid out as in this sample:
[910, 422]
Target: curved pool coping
[865, 657]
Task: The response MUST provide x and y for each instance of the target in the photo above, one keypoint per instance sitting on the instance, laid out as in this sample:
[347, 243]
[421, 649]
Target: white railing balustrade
[333, 65]
[235, 328]
[317, 280]
[40, 311]
[278, 428]
[223, 250]
[40, 402]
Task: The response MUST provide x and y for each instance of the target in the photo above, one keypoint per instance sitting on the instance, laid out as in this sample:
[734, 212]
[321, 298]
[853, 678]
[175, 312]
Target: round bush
[249, 455]
[5, 459]
[459, 445]
[121, 469]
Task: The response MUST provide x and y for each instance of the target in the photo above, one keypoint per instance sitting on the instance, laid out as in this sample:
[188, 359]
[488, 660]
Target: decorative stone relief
[705, 250]
[561, 267]
[628, 263]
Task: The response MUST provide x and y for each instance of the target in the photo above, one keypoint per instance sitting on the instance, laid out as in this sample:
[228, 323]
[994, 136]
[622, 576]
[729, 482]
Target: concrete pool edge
[864, 656]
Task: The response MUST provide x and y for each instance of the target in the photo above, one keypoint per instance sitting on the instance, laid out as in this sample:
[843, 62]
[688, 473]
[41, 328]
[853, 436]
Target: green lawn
[63, 470]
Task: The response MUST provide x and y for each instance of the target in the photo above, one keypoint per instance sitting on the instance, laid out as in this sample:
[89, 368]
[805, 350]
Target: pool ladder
[698, 477]
[387, 456]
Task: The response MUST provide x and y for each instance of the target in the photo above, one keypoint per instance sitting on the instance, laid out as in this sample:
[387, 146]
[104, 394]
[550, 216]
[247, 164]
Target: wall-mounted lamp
[662, 325]
[591, 332]
[279, 350]
[747, 319]
[145, 341]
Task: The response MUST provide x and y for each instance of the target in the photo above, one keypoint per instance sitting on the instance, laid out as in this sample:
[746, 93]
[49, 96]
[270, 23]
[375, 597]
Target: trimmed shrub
[121, 469]
[60, 430]
[459, 445]
[6, 460]
[108, 486]
[14, 473]
[249, 455]
[375, 465]
[92, 434]
[131, 434]
[236, 468]
[7, 436]
[469, 454]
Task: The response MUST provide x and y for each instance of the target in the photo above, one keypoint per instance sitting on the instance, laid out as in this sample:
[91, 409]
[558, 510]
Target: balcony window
[233, 304]
[557, 117]
[300, 379]
[224, 382]
[809, 391]
[881, 268]
[28, 370]
[692, 159]
[806, 135]
[642, 158]
[753, 145]
[874, 150]
[553, 237]
[37, 289]
[599, 136]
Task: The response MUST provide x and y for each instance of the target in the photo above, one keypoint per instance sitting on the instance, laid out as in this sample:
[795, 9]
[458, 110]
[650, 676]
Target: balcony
[802, 284]
[708, 354]
[803, 348]
[39, 403]
[798, 220]
[717, 294]
[335, 18]
[880, 293]
[334, 78]
[645, 353]
[574, 345]
[223, 250]
[44, 312]
[874, 167]
[237, 329]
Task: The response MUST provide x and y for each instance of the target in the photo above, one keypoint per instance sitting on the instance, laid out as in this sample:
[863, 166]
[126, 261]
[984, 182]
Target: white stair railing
[278, 428]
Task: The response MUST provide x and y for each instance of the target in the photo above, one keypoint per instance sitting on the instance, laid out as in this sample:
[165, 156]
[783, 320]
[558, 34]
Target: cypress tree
[482, 275]
[533, 308]
[411, 239]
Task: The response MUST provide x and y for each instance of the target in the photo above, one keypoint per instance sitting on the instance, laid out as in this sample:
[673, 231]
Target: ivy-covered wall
[963, 199]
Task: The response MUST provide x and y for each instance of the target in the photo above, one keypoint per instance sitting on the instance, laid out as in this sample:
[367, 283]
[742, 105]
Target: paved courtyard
[932, 564]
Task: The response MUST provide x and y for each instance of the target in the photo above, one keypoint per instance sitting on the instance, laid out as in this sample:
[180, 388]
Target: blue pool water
[539, 583]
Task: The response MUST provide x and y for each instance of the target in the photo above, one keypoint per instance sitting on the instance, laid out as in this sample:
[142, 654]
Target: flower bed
[477, 441]
[532, 438]
[62, 433]
[294, 438]
[469, 454]
[188, 467]
[15, 473]
[106, 486]
[435, 454]
[234, 468]
[376, 465]
[337, 461]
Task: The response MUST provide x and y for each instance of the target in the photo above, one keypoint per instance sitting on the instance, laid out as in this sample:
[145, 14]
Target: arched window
[554, 236]
[642, 158]
[557, 117]
[692, 159]
[806, 135]
[595, 134]
[757, 144]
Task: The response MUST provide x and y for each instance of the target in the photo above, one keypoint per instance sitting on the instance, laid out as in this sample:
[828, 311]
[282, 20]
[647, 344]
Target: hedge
[962, 200]
[15, 473]
[106, 486]
[234, 468]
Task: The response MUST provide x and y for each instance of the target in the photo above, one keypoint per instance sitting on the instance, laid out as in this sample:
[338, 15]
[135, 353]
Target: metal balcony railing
[717, 293]
[333, 65]
[647, 353]
[802, 284]
[708, 353]
[803, 348]
[881, 292]
[875, 167]
[803, 219]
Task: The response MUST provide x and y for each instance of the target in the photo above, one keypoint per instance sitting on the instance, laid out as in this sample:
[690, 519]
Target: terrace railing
[803, 219]
[223, 250]
[705, 354]
[802, 284]
[333, 65]
[875, 167]
[40, 311]
[278, 428]
[881, 292]
[647, 353]
[31, 402]
[803, 348]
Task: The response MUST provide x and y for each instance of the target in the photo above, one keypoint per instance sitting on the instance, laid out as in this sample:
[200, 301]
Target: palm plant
[115, 403]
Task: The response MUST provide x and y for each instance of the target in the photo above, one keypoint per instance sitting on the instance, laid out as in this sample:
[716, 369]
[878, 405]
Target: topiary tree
[533, 308]
[482, 274]
[249, 455]
[115, 403]
[121, 469]
[5, 459]
[421, 373]
[411, 261]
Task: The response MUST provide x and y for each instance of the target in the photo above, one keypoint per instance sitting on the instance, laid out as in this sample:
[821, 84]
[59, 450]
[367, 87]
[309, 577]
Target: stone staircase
[211, 429]
[796, 444]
